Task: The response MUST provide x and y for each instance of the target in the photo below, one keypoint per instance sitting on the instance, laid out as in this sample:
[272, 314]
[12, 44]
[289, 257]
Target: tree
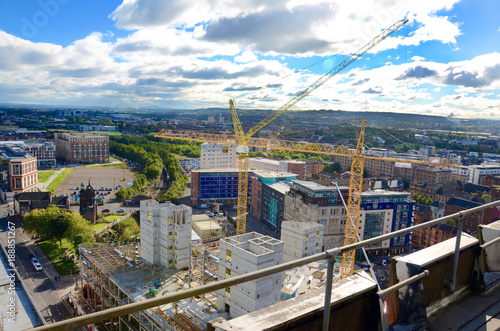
[56, 224]
[59, 225]
[38, 221]
[79, 231]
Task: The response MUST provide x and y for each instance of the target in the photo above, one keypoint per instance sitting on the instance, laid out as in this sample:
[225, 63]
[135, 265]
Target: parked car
[35, 262]
[105, 210]
[120, 211]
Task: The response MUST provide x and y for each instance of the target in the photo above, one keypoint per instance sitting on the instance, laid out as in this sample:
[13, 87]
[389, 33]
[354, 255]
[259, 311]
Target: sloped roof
[31, 196]
[462, 203]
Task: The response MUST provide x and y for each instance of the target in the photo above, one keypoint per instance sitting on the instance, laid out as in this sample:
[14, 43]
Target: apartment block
[313, 168]
[84, 148]
[295, 167]
[477, 174]
[314, 203]
[45, 153]
[218, 156]
[267, 200]
[384, 212]
[165, 234]
[460, 173]
[243, 254]
[214, 185]
[301, 239]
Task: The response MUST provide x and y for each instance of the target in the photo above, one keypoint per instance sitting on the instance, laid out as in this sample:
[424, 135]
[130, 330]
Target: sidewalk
[43, 186]
[65, 284]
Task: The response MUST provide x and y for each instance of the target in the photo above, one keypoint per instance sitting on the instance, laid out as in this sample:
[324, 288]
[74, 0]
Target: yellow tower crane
[244, 141]
[357, 168]
[242, 138]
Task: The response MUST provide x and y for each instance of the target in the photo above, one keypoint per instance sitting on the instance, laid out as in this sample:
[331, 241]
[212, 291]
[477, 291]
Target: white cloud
[200, 53]
[246, 57]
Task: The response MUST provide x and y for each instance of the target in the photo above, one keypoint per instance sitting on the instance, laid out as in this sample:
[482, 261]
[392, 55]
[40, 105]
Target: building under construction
[112, 276]
[204, 265]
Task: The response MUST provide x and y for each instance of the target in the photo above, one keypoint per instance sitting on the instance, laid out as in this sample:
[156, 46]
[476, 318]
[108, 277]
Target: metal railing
[328, 255]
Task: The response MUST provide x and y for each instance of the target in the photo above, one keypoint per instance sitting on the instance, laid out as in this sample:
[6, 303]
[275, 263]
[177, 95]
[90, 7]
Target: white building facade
[268, 165]
[246, 253]
[165, 234]
[477, 173]
[300, 239]
[218, 156]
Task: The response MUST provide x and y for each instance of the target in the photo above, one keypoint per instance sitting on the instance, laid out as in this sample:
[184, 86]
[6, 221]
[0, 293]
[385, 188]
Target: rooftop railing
[328, 255]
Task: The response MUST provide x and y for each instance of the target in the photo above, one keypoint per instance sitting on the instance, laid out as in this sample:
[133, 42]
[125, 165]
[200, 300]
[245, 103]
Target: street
[41, 289]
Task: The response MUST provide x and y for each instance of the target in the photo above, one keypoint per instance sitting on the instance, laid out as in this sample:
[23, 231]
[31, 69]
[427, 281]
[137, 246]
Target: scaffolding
[204, 265]
[98, 264]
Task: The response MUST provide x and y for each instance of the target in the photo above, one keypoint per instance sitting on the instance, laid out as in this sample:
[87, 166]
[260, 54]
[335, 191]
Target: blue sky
[192, 54]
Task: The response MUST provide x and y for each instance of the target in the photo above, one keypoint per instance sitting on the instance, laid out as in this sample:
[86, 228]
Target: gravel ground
[105, 177]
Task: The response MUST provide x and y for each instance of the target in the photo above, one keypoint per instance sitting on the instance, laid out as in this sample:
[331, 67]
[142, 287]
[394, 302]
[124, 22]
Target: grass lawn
[106, 220]
[59, 179]
[43, 176]
[66, 267]
[108, 133]
[120, 165]
[131, 227]
[54, 252]
[111, 218]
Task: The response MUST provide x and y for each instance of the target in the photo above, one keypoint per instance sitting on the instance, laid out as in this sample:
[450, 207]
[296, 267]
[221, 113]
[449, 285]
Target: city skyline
[140, 53]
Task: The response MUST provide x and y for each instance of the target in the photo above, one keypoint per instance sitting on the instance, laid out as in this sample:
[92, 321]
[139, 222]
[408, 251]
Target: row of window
[19, 169]
[20, 183]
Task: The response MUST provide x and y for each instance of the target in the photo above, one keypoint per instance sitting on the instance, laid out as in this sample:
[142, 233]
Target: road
[41, 289]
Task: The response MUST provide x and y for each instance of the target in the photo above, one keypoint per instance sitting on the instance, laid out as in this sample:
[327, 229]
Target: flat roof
[314, 186]
[272, 174]
[280, 187]
[382, 192]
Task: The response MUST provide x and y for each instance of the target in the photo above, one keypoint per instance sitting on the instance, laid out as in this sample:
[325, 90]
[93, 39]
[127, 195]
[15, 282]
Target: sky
[191, 54]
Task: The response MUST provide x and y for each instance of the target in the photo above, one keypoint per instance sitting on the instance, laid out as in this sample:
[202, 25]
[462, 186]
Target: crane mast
[243, 141]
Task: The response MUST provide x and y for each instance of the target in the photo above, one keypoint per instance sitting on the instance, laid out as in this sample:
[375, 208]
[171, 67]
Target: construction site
[115, 275]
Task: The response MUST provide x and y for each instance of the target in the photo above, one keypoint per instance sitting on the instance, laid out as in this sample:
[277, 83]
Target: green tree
[58, 226]
[55, 224]
[79, 231]
[37, 222]
[105, 121]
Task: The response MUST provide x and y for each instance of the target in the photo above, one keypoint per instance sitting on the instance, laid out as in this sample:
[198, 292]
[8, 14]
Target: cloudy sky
[196, 54]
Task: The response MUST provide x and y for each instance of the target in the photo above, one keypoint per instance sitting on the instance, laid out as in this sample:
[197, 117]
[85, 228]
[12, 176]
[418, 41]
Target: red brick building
[82, 148]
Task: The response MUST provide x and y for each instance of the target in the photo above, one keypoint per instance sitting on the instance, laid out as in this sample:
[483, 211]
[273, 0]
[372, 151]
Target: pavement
[42, 288]
[64, 284]
[43, 186]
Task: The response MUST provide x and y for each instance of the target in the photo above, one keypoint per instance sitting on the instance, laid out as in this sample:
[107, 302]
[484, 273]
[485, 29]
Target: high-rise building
[214, 185]
[218, 156]
[243, 254]
[84, 148]
[384, 212]
[267, 200]
[295, 167]
[314, 203]
[165, 234]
